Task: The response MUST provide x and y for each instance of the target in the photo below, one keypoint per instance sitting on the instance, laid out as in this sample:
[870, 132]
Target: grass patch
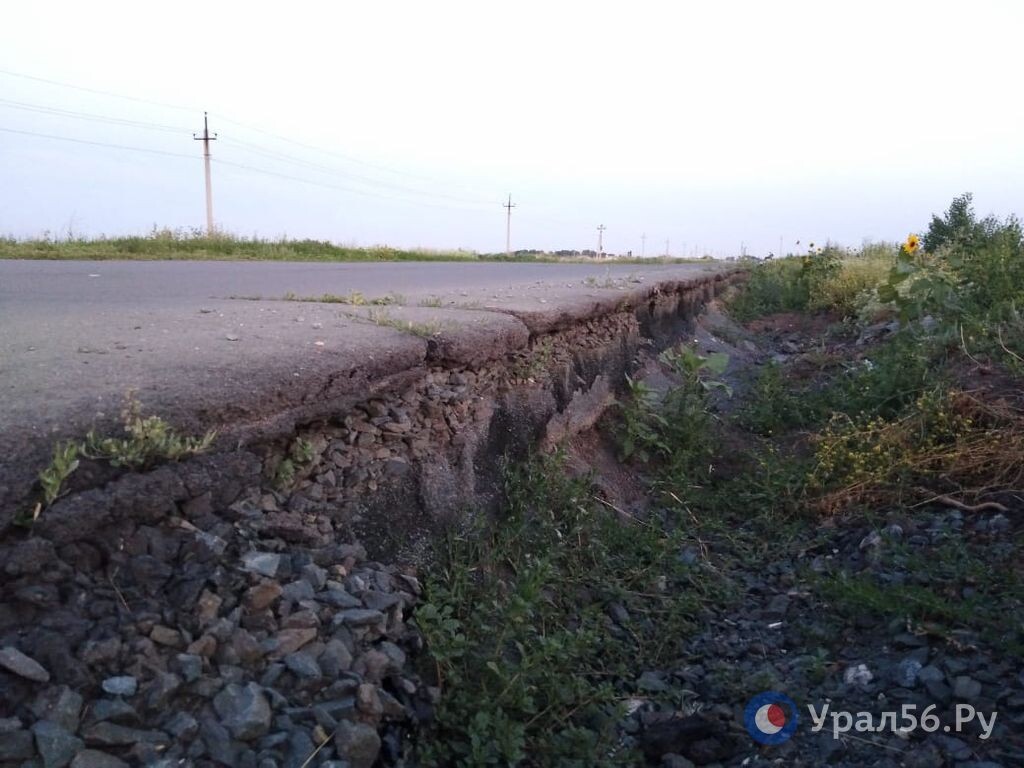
[518, 622]
[354, 298]
[195, 245]
[162, 245]
[147, 440]
[952, 586]
[947, 442]
[424, 329]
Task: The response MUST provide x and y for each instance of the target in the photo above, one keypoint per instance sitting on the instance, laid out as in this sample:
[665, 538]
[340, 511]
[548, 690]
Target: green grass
[425, 329]
[354, 298]
[145, 442]
[161, 246]
[518, 625]
[934, 594]
[176, 245]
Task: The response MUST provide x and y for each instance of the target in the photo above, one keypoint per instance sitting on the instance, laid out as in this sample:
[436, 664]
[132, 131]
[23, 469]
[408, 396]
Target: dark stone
[303, 665]
[675, 735]
[55, 744]
[108, 734]
[28, 557]
[16, 745]
[190, 666]
[298, 591]
[60, 705]
[359, 617]
[157, 695]
[357, 743]
[113, 710]
[97, 652]
[23, 666]
[243, 710]
[338, 598]
[335, 658]
[92, 758]
[218, 742]
[39, 595]
[263, 563]
[182, 726]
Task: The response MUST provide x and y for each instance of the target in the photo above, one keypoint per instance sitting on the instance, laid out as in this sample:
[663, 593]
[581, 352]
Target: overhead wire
[350, 190]
[282, 157]
[97, 91]
[98, 143]
[58, 112]
[128, 123]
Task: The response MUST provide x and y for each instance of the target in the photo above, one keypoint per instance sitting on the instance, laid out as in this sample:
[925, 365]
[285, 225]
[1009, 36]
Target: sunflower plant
[919, 285]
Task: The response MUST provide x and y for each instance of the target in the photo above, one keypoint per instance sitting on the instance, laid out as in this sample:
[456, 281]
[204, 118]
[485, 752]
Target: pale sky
[709, 124]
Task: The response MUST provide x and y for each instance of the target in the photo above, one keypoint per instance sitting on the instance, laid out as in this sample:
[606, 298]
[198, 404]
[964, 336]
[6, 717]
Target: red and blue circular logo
[771, 718]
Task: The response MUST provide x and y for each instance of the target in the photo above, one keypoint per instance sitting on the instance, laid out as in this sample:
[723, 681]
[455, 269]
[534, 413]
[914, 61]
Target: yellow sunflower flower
[912, 244]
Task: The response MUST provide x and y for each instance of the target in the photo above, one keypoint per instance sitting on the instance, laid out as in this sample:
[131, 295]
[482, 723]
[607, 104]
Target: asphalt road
[210, 343]
[79, 286]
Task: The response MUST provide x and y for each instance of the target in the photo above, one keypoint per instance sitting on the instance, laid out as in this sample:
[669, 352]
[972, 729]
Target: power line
[240, 166]
[282, 157]
[97, 143]
[58, 112]
[224, 118]
[97, 91]
[349, 190]
[315, 148]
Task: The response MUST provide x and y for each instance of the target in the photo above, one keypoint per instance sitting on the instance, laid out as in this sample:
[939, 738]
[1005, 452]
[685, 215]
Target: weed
[947, 441]
[432, 301]
[284, 474]
[535, 362]
[774, 407]
[148, 440]
[516, 622]
[64, 462]
[843, 290]
[301, 454]
[425, 330]
[390, 299]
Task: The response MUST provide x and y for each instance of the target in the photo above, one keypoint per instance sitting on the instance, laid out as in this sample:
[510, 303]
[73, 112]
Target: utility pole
[600, 240]
[667, 251]
[643, 245]
[508, 225]
[206, 139]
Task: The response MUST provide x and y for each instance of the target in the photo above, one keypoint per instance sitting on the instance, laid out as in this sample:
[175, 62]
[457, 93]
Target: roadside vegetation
[144, 442]
[196, 245]
[868, 471]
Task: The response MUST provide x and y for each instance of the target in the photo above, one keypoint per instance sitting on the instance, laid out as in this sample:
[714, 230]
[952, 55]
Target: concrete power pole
[666, 249]
[206, 139]
[643, 245]
[600, 241]
[508, 225]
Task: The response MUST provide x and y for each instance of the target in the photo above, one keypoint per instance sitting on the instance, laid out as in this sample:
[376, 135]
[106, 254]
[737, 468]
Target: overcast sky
[708, 124]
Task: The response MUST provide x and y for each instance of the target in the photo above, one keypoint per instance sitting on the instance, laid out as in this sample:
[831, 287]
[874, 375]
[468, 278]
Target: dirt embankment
[219, 610]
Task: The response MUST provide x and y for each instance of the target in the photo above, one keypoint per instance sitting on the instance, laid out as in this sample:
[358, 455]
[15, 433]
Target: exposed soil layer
[233, 609]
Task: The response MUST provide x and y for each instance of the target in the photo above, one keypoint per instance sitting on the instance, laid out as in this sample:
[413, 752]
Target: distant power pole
[780, 246]
[667, 251]
[643, 245]
[206, 139]
[508, 225]
[600, 241]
